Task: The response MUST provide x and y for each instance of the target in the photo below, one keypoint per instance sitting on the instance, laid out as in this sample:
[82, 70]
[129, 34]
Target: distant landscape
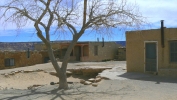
[16, 46]
[19, 46]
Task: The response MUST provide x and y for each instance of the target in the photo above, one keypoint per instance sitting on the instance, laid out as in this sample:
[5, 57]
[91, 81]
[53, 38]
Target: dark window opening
[9, 62]
[28, 54]
[173, 51]
[95, 50]
[46, 59]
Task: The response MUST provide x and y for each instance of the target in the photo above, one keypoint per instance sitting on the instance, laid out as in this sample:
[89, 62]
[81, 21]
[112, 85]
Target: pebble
[87, 83]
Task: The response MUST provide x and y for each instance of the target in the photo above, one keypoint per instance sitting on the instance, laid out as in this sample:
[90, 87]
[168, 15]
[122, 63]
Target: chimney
[162, 33]
[97, 39]
[103, 42]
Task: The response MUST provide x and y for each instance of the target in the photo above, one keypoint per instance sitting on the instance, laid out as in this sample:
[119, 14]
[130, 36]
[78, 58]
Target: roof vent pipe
[162, 33]
[103, 42]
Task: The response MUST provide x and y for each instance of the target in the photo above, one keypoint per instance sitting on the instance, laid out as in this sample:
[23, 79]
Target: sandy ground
[122, 86]
[24, 80]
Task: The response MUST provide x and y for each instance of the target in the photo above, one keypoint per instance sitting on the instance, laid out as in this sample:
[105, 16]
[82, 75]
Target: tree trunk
[61, 73]
[63, 81]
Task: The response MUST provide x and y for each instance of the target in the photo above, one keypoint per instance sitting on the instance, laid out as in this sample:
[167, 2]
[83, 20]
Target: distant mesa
[19, 46]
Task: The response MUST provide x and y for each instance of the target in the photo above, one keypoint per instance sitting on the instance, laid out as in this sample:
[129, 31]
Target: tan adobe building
[85, 51]
[12, 59]
[152, 51]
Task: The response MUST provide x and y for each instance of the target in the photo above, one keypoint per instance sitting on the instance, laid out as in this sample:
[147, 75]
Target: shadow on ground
[148, 77]
[75, 92]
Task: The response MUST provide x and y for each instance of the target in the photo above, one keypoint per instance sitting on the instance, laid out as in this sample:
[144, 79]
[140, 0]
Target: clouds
[156, 10]
[153, 10]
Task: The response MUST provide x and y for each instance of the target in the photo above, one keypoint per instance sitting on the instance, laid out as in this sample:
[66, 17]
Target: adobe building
[85, 51]
[13, 59]
[152, 51]
[82, 51]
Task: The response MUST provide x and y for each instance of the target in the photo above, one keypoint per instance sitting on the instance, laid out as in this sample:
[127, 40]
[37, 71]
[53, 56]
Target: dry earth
[23, 79]
[122, 86]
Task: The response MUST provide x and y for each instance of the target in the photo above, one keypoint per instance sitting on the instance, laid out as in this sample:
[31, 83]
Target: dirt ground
[121, 86]
[41, 78]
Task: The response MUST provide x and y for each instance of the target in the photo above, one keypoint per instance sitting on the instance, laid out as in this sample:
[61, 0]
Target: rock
[91, 79]
[97, 79]
[82, 81]
[6, 75]
[87, 83]
[22, 71]
[95, 84]
[37, 85]
[38, 70]
[105, 78]
[28, 71]
[68, 73]
[52, 83]
[12, 73]
[16, 71]
[34, 87]
[30, 87]
[98, 76]
[53, 73]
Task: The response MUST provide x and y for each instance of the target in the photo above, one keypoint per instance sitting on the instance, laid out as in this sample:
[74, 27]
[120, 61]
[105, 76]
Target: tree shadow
[75, 92]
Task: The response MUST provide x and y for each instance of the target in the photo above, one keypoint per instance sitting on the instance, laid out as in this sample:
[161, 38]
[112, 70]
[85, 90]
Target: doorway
[151, 56]
[77, 51]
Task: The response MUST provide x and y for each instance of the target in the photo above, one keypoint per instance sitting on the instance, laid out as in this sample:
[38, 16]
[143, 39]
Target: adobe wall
[20, 58]
[121, 54]
[39, 47]
[107, 52]
[135, 48]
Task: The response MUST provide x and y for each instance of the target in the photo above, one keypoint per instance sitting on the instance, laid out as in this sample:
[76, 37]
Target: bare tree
[70, 15]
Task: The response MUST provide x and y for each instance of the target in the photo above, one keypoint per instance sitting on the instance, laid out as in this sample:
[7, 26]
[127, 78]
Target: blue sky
[154, 10]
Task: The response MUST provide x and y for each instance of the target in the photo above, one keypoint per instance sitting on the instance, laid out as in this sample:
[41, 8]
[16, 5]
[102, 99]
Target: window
[28, 54]
[173, 51]
[96, 50]
[9, 62]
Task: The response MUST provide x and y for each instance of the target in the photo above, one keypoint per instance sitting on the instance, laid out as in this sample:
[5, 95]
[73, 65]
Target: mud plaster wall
[106, 52]
[39, 47]
[121, 54]
[20, 58]
[135, 48]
